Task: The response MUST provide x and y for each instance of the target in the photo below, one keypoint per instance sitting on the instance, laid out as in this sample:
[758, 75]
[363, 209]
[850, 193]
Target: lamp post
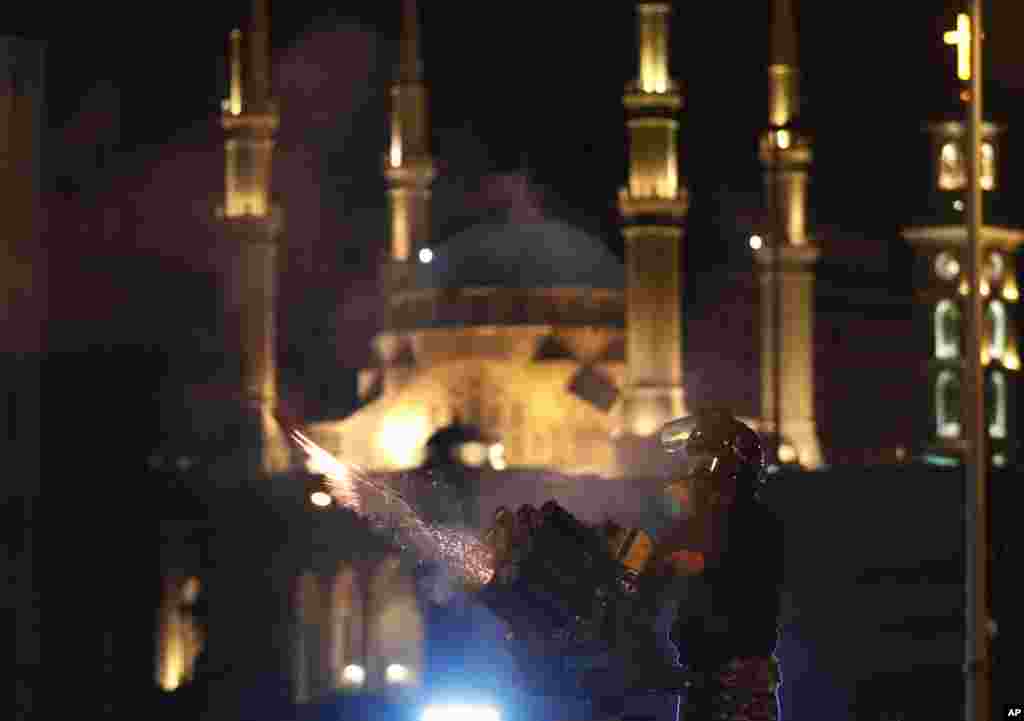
[778, 240]
[977, 663]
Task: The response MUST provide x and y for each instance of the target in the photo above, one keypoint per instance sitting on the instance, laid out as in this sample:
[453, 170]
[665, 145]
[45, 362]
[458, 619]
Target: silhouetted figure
[723, 560]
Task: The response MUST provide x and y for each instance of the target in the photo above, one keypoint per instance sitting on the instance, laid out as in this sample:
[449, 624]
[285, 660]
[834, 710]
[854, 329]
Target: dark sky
[545, 79]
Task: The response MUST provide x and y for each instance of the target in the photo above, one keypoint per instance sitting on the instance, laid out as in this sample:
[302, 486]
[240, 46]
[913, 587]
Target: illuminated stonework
[653, 42]
[948, 140]
[789, 256]
[251, 224]
[408, 166]
[653, 205]
[941, 284]
[180, 638]
[360, 630]
[487, 377]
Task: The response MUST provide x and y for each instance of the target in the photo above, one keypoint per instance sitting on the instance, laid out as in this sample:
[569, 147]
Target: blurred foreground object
[580, 608]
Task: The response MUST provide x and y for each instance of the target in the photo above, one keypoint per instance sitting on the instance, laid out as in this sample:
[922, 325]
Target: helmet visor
[676, 434]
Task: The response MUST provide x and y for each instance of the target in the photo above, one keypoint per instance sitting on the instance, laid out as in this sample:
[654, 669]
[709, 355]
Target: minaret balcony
[787, 147]
[266, 122]
[413, 171]
[791, 257]
[674, 208]
[638, 99]
[254, 227]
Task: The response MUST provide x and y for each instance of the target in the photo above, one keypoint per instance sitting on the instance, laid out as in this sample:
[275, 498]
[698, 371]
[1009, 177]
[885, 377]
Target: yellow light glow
[985, 357]
[402, 437]
[320, 499]
[396, 152]
[961, 38]
[472, 453]
[172, 674]
[234, 102]
[353, 675]
[756, 242]
[962, 290]
[653, 43]
[988, 158]
[986, 289]
[1010, 291]
[645, 424]
[783, 139]
[787, 453]
[496, 455]
[396, 673]
[190, 591]
[946, 266]
[1011, 361]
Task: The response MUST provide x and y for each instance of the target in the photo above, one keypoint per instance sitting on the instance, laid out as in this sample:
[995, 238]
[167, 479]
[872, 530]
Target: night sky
[545, 80]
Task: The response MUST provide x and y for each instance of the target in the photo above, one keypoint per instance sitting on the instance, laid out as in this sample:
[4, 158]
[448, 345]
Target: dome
[537, 254]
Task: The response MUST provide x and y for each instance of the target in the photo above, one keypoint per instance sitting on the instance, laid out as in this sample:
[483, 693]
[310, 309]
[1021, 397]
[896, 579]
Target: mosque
[560, 358]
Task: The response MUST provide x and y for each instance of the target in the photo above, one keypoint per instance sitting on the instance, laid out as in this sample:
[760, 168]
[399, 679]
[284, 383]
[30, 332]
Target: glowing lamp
[783, 139]
[426, 255]
[353, 675]
[756, 242]
[787, 453]
[958, 205]
[496, 455]
[1011, 361]
[320, 499]
[402, 437]
[947, 267]
[472, 453]
[396, 673]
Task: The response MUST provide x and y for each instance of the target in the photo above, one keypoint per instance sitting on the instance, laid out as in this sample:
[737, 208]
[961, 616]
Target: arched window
[947, 405]
[951, 169]
[997, 405]
[347, 667]
[988, 166]
[947, 329]
[995, 328]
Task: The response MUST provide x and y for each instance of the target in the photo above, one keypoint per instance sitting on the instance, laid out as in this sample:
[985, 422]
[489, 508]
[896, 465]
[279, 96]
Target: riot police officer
[724, 554]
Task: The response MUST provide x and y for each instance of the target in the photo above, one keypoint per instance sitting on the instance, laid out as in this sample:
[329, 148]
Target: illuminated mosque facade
[532, 331]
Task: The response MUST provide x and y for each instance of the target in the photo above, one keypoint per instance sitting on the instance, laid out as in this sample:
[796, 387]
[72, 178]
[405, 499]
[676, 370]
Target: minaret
[791, 254]
[653, 207]
[409, 169]
[250, 119]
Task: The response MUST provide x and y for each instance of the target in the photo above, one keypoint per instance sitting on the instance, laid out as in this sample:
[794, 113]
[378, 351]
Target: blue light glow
[460, 712]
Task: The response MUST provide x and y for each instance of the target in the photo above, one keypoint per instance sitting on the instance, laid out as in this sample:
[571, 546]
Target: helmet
[712, 444]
